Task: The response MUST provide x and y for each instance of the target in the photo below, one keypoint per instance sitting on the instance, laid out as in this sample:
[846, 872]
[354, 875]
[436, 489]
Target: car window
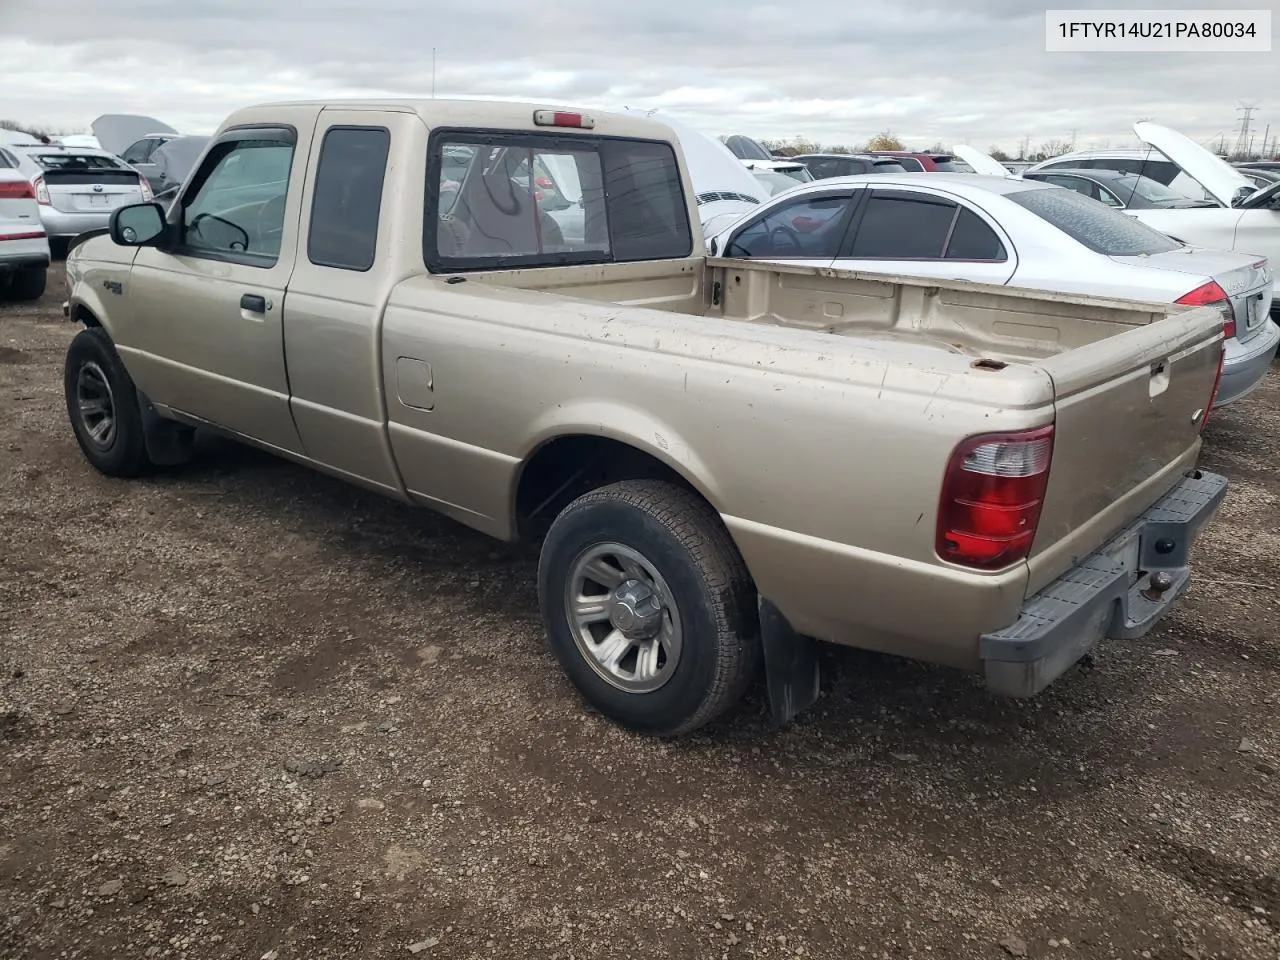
[945, 166]
[1078, 184]
[236, 202]
[139, 151]
[5, 163]
[973, 239]
[808, 228]
[910, 164]
[903, 227]
[77, 161]
[1097, 227]
[822, 168]
[348, 197]
[1103, 195]
[504, 200]
[888, 166]
[853, 167]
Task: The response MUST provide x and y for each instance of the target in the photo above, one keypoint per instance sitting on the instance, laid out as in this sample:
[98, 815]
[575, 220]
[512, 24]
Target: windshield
[77, 161]
[800, 174]
[1100, 228]
[1146, 188]
[744, 148]
[948, 165]
[774, 181]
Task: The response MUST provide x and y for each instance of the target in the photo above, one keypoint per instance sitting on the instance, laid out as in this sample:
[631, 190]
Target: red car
[925, 162]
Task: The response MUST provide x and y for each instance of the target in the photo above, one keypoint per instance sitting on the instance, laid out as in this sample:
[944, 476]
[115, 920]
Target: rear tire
[28, 283]
[610, 558]
[102, 405]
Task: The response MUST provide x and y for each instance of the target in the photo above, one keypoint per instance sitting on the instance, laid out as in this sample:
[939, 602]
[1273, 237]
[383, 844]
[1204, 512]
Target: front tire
[102, 405]
[649, 607]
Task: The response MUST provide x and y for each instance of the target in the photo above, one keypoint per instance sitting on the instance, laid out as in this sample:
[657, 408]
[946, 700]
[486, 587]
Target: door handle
[253, 302]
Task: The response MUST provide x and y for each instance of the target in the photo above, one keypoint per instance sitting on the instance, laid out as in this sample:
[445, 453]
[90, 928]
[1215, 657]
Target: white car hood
[1223, 181]
[722, 184]
[981, 162]
[119, 131]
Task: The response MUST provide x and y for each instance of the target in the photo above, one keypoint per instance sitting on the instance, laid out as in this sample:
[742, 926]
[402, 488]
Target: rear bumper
[58, 223]
[24, 253]
[1103, 596]
[1246, 364]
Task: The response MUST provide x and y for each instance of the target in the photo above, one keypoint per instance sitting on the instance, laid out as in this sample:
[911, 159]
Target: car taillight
[42, 192]
[991, 498]
[147, 195]
[22, 190]
[1210, 294]
[1217, 382]
[545, 183]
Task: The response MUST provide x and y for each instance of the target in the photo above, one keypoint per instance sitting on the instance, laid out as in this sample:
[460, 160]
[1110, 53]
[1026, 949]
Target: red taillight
[991, 498]
[1210, 294]
[560, 118]
[145, 187]
[1217, 382]
[22, 190]
[545, 183]
[42, 192]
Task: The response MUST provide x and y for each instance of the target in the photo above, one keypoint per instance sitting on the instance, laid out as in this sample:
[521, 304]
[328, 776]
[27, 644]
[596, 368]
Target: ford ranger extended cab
[504, 312]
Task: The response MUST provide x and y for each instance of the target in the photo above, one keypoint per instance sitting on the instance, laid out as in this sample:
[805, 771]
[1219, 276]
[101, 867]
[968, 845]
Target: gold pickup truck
[504, 312]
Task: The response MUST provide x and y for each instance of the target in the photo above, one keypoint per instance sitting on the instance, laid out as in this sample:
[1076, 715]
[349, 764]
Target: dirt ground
[249, 712]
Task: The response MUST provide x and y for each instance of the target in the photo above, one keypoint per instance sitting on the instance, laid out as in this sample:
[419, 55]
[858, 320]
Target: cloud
[837, 71]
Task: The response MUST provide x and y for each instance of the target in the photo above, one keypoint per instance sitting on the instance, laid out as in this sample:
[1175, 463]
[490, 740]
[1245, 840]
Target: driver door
[208, 310]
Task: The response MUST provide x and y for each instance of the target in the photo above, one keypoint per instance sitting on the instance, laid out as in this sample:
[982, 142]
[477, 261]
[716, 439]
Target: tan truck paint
[815, 411]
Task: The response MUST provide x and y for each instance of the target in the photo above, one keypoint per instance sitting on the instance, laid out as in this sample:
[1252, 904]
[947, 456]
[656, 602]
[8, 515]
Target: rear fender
[635, 428]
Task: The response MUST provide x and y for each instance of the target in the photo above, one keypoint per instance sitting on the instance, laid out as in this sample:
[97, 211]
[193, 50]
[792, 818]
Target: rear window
[888, 166]
[77, 161]
[1089, 222]
[945, 165]
[499, 200]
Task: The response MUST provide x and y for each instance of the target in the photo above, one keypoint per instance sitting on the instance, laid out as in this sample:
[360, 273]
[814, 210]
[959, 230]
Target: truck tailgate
[1129, 410]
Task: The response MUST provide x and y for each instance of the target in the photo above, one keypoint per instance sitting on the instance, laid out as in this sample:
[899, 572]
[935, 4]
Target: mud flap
[790, 665]
[168, 442]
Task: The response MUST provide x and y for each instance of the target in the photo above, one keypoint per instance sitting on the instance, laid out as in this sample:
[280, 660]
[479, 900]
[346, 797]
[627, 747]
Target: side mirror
[137, 225]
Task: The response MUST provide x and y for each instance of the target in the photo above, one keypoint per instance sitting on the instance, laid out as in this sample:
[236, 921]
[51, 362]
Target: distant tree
[997, 154]
[35, 131]
[938, 148]
[1051, 148]
[884, 140]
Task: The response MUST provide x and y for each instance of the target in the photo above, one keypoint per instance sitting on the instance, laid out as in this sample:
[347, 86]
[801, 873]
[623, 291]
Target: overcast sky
[837, 71]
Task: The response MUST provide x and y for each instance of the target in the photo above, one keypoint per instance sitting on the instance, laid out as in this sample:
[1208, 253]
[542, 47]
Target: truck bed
[1126, 381]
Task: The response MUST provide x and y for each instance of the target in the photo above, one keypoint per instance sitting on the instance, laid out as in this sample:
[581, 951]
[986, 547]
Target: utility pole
[1242, 142]
[1266, 135]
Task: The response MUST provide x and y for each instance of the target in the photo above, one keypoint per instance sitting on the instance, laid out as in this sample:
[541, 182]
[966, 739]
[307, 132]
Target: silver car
[1021, 233]
[76, 188]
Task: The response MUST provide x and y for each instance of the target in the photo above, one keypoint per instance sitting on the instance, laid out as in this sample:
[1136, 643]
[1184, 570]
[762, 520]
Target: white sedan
[1002, 230]
[1241, 217]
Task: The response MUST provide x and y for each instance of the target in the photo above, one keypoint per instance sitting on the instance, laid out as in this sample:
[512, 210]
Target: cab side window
[347, 200]
[235, 206]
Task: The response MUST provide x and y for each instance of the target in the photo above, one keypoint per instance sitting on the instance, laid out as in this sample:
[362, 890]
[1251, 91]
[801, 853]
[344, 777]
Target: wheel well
[82, 314]
[567, 467]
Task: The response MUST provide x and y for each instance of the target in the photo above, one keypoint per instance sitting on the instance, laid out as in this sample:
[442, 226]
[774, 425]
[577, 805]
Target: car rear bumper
[1109, 594]
[20, 254]
[58, 223]
[1246, 364]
